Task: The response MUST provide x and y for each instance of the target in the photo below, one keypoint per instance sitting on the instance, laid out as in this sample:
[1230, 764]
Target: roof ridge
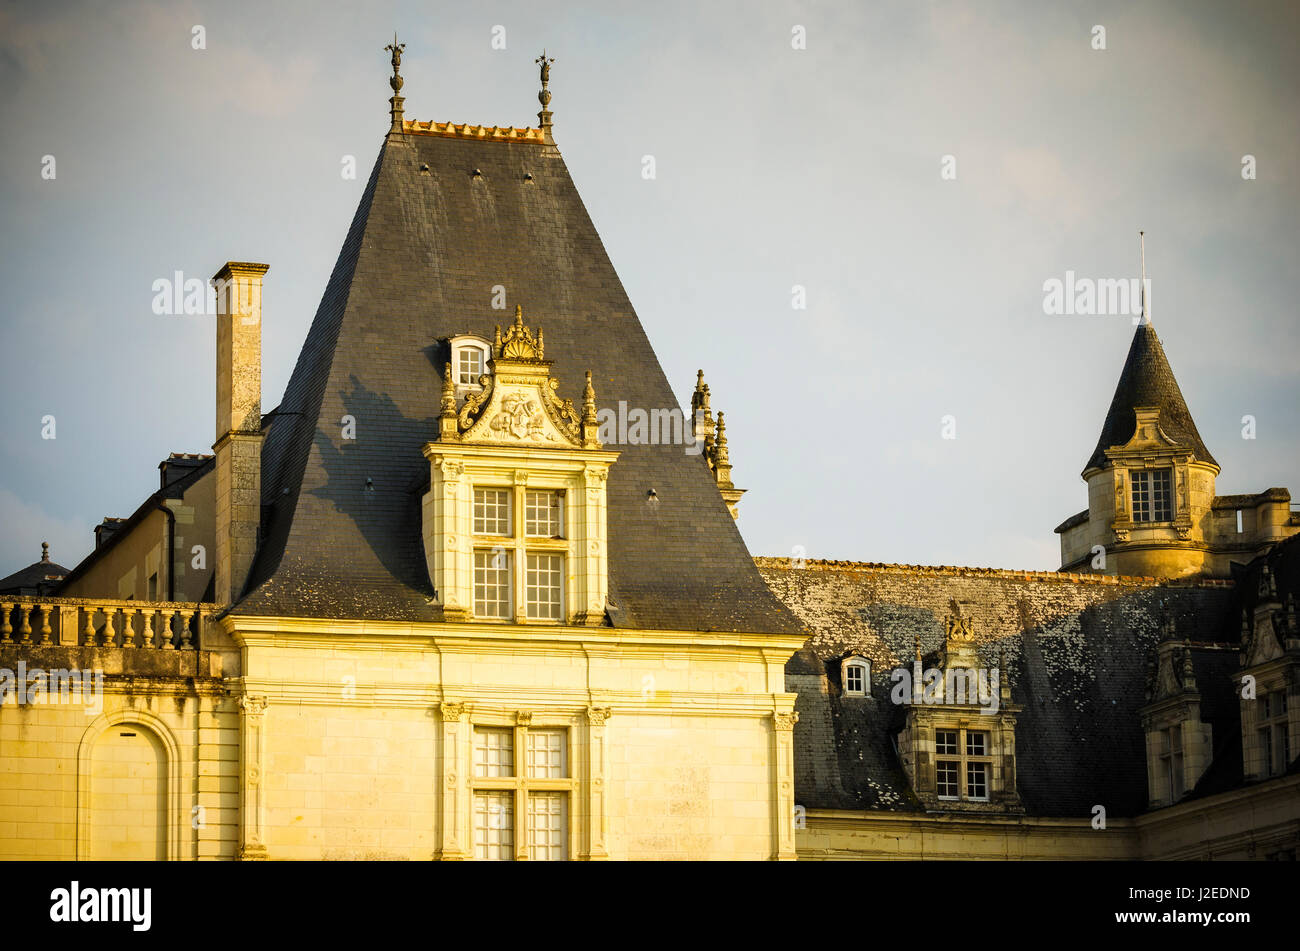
[773, 561]
[466, 130]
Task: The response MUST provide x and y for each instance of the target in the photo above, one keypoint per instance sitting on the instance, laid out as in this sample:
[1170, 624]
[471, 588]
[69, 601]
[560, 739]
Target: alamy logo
[965, 685]
[134, 905]
[657, 427]
[1101, 297]
[37, 686]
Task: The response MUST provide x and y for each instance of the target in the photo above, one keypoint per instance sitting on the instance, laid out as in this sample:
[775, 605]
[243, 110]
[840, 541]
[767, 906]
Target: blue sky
[775, 167]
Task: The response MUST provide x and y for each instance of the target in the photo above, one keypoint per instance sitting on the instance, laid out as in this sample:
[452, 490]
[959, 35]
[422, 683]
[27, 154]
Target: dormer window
[855, 675]
[1152, 495]
[469, 361]
[514, 522]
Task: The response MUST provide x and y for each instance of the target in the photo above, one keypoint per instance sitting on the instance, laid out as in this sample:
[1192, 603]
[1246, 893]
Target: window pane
[946, 779]
[1141, 483]
[548, 826]
[977, 780]
[546, 754]
[492, 512]
[945, 742]
[469, 366]
[977, 744]
[543, 579]
[1162, 495]
[542, 514]
[492, 583]
[854, 679]
[494, 752]
[494, 825]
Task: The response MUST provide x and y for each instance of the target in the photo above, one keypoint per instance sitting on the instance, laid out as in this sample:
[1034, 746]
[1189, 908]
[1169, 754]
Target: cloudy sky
[775, 167]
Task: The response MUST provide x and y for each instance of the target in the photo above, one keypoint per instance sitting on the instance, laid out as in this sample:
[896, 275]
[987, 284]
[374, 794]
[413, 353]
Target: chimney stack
[239, 424]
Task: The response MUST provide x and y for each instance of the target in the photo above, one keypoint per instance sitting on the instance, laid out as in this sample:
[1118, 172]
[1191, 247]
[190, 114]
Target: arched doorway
[128, 795]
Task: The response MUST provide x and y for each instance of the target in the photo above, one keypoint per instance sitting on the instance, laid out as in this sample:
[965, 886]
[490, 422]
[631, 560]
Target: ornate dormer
[1179, 743]
[958, 743]
[1270, 678]
[515, 517]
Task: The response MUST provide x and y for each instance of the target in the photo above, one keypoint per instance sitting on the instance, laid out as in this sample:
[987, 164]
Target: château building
[439, 604]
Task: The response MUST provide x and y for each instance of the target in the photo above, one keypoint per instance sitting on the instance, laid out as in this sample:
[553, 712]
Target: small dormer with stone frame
[515, 519]
[1179, 743]
[958, 742]
[1269, 682]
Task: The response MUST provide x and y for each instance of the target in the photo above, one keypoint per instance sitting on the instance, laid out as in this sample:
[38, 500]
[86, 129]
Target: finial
[448, 393]
[1146, 311]
[45, 553]
[916, 643]
[519, 315]
[699, 381]
[541, 345]
[590, 423]
[395, 103]
[544, 97]
[447, 423]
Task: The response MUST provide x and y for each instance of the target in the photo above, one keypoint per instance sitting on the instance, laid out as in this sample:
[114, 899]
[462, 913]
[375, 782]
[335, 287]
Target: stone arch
[172, 819]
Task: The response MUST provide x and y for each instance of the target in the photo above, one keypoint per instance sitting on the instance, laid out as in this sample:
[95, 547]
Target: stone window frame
[855, 663]
[963, 759]
[520, 784]
[1273, 725]
[517, 545]
[459, 344]
[1161, 511]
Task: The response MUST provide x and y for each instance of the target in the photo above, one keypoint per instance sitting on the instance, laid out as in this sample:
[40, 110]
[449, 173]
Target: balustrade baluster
[88, 629]
[46, 631]
[6, 629]
[26, 629]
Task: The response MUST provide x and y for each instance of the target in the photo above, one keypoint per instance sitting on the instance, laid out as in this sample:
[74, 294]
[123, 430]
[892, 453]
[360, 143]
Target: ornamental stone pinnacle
[544, 97]
[395, 81]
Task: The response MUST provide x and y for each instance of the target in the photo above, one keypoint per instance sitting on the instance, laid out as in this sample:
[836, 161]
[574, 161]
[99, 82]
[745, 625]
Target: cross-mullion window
[962, 764]
[1152, 495]
[541, 794]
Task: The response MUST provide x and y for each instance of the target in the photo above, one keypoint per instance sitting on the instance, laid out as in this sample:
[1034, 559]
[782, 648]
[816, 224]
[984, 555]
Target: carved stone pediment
[1147, 433]
[1260, 641]
[520, 403]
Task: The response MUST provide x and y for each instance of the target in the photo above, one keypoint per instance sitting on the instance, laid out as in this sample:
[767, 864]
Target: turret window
[1152, 495]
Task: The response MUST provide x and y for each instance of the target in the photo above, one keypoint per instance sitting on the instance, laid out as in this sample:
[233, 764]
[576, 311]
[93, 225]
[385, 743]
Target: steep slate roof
[430, 240]
[1147, 380]
[1075, 649]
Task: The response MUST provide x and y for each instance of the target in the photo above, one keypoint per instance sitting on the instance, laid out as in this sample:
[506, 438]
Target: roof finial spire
[1146, 312]
[45, 553]
[544, 97]
[395, 103]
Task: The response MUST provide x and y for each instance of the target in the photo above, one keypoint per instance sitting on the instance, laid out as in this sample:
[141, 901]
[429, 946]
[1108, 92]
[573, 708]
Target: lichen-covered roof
[1147, 380]
[1075, 648]
[445, 219]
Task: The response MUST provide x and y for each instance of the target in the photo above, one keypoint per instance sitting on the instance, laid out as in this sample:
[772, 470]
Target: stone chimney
[239, 424]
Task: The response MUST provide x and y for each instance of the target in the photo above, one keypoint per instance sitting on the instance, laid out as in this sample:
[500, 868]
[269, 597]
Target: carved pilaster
[783, 783]
[597, 777]
[252, 793]
[455, 838]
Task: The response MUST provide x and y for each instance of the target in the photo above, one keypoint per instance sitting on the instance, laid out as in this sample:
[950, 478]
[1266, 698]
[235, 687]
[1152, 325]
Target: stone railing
[99, 622]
